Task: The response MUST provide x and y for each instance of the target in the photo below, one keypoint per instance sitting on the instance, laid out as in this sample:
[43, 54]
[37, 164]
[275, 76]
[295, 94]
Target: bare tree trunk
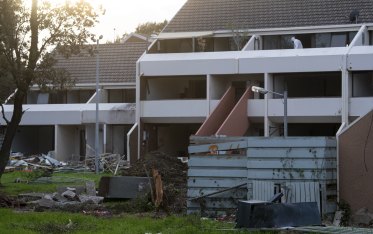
[11, 130]
[23, 84]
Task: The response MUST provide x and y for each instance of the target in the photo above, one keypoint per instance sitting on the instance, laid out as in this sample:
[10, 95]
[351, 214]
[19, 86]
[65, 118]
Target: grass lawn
[57, 222]
[58, 179]
[50, 222]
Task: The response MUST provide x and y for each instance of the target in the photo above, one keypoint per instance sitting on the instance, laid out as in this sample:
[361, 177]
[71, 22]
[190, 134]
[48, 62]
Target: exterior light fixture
[284, 95]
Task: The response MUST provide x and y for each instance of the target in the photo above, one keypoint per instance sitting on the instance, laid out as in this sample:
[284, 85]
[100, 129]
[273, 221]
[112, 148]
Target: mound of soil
[174, 177]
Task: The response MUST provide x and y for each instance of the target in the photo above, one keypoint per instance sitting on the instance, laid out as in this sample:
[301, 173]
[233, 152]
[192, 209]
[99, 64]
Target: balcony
[174, 111]
[75, 114]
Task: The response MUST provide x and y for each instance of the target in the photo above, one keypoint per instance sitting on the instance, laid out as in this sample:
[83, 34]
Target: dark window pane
[323, 40]
[339, 40]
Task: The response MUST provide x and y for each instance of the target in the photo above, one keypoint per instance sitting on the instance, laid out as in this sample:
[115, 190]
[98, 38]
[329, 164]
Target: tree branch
[52, 36]
[3, 114]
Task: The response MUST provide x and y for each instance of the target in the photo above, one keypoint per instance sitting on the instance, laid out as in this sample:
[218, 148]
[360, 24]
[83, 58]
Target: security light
[259, 90]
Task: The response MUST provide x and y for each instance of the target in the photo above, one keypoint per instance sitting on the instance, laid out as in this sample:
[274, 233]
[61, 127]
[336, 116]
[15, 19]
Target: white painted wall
[219, 85]
[74, 114]
[67, 142]
[90, 133]
[174, 108]
[117, 138]
[258, 61]
[189, 64]
[360, 106]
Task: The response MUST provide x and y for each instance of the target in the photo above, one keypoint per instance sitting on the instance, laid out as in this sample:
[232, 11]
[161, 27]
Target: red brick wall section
[356, 164]
[220, 113]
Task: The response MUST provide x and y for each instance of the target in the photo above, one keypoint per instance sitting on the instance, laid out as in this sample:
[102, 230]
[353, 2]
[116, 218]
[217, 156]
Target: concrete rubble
[64, 196]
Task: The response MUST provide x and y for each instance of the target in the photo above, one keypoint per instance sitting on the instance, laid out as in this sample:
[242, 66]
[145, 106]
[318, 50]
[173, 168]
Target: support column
[208, 93]
[138, 112]
[268, 85]
[346, 94]
[104, 137]
[56, 139]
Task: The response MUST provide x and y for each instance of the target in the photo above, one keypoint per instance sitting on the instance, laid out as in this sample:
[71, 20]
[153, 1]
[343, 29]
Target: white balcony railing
[51, 114]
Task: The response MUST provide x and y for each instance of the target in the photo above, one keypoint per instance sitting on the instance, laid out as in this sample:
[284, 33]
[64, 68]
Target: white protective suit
[297, 43]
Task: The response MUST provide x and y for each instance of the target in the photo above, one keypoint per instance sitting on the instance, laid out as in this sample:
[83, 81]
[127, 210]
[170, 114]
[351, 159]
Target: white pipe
[128, 142]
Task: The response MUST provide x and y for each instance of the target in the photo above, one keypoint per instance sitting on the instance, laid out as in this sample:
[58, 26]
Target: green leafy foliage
[345, 207]
[27, 37]
[149, 28]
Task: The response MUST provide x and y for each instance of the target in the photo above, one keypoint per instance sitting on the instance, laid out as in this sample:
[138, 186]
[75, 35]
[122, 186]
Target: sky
[125, 15]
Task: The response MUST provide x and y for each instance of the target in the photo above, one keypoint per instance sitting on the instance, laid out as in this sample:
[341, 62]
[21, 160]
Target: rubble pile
[108, 163]
[20, 162]
[174, 177]
[65, 196]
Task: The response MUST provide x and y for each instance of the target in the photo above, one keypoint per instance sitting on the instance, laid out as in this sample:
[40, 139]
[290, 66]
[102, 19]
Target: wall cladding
[304, 168]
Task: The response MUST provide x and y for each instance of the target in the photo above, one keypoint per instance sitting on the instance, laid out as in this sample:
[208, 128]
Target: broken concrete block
[58, 197]
[46, 203]
[338, 217]
[90, 199]
[48, 196]
[90, 188]
[70, 195]
[68, 203]
[78, 189]
[71, 189]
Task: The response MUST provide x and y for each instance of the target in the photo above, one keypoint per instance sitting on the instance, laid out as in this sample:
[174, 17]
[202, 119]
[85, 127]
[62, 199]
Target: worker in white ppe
[297, 43]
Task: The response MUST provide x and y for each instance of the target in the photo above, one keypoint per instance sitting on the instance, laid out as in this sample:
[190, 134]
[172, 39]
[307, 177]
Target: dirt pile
[174, 177]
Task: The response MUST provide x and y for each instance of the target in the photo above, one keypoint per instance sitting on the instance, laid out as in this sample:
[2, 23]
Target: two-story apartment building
[212, 51]
[64, 121]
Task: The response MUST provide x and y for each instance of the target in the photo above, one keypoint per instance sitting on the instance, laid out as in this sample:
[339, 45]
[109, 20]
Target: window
[323, 40]
[122, 95]
[362, 84]
[339, 40]
[277, 42]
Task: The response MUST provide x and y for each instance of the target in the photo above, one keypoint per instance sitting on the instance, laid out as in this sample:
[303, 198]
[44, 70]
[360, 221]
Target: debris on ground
[64, 196]
[337, 218]
[108, 163]
[174, 178]
[164, 175]
[20, 162]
